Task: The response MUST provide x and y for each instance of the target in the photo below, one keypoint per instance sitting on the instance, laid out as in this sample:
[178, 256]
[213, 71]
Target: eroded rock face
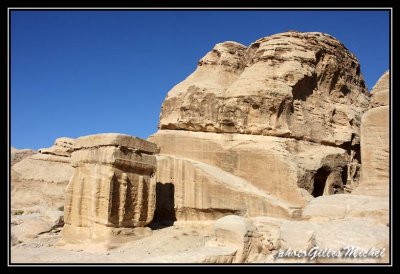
[113, 186]
[193, 190]
[380, 92]
[282, 114]
[375, 145]
[301, 85]
[348, 206]
[336, 235]
[209, 175]
[240, 235]
[62, 147]
[39, 180]
[18, 155]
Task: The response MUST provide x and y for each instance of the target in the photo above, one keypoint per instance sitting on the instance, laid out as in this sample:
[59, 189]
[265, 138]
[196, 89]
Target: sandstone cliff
[375, 142]
[302, 85]
[38, 185]
[18, 155]
[282, 115]
[40, 179]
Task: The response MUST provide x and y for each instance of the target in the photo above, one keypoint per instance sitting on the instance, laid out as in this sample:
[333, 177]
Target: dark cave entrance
[164, 214]
[320, 182]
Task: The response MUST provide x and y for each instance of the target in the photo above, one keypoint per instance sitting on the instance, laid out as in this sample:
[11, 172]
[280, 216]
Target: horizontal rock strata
[112, 186]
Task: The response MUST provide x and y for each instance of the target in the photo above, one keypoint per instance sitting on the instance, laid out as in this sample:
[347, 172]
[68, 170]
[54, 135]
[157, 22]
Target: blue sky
[75, 73]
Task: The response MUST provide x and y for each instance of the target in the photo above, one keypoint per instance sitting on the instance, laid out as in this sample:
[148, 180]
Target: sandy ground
[181, 243]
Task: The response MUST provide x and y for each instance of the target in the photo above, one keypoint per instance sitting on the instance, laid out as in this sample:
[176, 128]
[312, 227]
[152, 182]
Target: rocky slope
[38, 185]
[18, 155]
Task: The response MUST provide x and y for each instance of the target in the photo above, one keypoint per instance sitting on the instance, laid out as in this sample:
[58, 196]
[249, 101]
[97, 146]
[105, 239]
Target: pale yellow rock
[40, 180]
[255, 131]
[381, 91]
[375, 148]
[300, 85]
[192, 190]
[298, 237]
[28, 229]
[18, 155]
[283, 114]
[62, 147]
[49, 165]
[233, 229]
[281, 167]
[114, 139]
[38, 185]
[238, 233]
[346, 206]
[360, 234]
[45, 168]
[27, 226]
[269, 228]
[113, 186]
[337, 236]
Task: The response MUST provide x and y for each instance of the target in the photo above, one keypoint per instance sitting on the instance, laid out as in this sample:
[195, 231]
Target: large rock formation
[38, 185]
[302, 85]
[40, 179]
[380, 92]
[18, 155]
[112, 186]
[375, 146]
[281, 116]
[214, 174]
[62, 147]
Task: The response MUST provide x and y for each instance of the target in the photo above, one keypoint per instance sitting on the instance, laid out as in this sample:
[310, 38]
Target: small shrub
[61, 208]
[19, 212]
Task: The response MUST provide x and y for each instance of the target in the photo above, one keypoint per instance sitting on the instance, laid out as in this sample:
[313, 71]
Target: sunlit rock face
[112, 186]
[282, 116]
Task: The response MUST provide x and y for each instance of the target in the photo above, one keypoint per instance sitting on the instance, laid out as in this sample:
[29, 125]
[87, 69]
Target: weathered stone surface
[26, 226]
[375, 143]
[300, 85]
[38, 185]
[26, 229]
[62, 147]
[49, 165]
[40, 179]
[361, 234]
[113, 186]
[18, 155]
[44, 168]
[193, 190]
[283, 114]
[285, 169]
[233, 229]
[346, 206]
[115, 139]
[375, 146]
[335, 235]
[256, 131]
[239, 234]
[381, 91]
